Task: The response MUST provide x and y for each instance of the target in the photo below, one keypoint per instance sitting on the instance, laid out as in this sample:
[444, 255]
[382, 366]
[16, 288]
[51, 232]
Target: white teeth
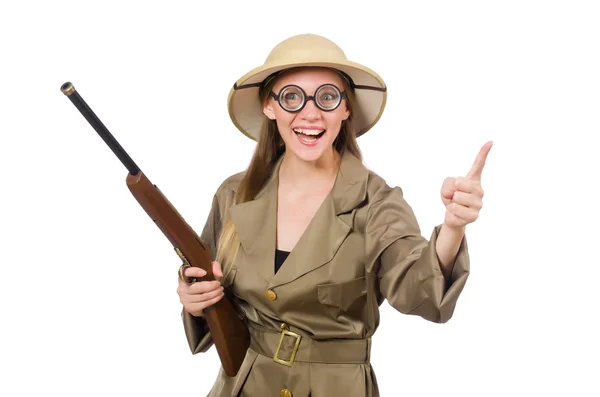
[308, 132]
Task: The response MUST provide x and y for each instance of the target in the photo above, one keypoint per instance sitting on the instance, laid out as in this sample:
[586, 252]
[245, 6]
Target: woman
[309, 242]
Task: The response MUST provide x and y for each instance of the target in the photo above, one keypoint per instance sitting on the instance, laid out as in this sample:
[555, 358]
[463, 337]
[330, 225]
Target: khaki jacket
[363, 246]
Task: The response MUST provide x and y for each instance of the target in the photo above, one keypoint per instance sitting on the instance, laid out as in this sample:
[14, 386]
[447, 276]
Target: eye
[290, 96]
[328, 97]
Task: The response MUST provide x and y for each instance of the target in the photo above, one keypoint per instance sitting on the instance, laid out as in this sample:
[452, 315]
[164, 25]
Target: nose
[310, 111]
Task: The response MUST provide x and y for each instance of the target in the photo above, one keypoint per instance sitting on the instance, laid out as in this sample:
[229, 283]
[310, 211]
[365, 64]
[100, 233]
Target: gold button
[270, 294]
[285, 393]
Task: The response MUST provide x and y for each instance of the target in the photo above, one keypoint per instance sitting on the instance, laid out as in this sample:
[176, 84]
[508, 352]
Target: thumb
[448, 194]
[448, 188]
[217, 269]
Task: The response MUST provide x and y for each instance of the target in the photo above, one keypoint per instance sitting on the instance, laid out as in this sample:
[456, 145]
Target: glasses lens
[328, 97]
[291, 98]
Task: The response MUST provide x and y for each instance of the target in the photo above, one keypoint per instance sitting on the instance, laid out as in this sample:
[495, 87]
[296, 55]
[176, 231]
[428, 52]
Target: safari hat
[370, 90]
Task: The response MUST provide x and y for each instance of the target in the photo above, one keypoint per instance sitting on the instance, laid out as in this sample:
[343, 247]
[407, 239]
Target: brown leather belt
[286, 347]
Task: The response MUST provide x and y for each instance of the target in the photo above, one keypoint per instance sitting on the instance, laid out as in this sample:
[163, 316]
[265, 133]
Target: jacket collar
[256, 224]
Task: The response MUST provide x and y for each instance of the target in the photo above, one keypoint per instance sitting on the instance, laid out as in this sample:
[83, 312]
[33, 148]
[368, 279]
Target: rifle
[229, 333]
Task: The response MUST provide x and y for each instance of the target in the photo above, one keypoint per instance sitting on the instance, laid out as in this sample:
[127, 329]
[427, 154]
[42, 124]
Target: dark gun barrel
[68, 89]
[227, 328]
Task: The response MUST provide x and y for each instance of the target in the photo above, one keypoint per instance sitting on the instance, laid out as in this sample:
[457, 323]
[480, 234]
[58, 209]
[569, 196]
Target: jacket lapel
[256, 224]
[330, 226]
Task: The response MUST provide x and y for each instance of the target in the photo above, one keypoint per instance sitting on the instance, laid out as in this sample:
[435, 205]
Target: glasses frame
[307, 98]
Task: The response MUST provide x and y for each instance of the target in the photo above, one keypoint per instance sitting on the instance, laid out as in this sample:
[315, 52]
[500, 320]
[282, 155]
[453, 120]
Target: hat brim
[245, 108]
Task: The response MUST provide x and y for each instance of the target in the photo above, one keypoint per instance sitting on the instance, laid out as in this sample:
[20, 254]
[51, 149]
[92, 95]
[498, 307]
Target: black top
[280, 257]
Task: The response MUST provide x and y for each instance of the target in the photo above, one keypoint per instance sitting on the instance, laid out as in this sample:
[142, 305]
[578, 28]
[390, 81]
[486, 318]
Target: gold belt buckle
[285, 330]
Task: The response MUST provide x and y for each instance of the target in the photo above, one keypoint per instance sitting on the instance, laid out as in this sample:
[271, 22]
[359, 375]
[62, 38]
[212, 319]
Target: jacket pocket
[342, 295]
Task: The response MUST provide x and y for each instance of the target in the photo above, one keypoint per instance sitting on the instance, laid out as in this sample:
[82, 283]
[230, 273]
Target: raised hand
[463, 196]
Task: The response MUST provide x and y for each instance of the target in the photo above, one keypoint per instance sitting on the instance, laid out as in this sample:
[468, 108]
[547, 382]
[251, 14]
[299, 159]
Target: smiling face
[310, 132]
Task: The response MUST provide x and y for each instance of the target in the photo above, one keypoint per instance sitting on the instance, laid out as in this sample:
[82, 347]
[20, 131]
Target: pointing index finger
[477, 167]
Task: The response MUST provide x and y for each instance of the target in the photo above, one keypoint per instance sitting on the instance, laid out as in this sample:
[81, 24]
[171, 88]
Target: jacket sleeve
[406, 264]
[196, 328]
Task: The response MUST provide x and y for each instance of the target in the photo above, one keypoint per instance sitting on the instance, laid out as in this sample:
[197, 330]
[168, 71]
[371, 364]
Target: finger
[217, 269]
[448, 188]
[194, 272]
[468, 186]
[467, 200]
[465, 213]
[199, 287]
[448, 194]
[196, 298]
[193, 308]
[203, 287]
[477, 167]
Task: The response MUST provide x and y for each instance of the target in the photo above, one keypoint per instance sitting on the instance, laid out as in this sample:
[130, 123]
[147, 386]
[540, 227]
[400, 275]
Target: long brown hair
[269, 148]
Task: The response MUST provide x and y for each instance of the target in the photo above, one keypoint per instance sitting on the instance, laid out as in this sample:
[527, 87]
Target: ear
[268, 109]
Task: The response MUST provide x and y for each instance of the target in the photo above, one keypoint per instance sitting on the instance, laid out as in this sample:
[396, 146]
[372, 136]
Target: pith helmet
[370, 90]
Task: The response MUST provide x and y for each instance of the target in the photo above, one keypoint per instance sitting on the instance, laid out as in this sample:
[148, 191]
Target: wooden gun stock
[228, 331]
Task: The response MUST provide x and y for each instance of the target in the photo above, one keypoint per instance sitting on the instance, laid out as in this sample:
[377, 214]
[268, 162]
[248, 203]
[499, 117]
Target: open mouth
[308, 135]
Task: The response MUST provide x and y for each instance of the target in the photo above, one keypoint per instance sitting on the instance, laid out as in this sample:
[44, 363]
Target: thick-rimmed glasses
[293, 98]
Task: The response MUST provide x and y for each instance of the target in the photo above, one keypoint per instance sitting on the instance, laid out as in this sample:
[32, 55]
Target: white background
[87, 284]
